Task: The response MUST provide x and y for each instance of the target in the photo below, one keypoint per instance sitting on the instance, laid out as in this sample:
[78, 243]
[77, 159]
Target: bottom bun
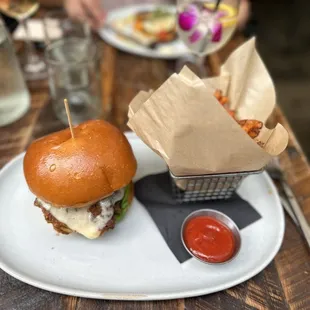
[120, 210]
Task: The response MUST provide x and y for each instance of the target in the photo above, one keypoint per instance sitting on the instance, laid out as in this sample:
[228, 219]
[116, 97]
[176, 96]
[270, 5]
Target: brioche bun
[69, 172]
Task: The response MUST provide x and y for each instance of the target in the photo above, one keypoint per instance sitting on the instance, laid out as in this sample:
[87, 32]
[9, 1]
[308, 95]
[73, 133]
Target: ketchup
[209, 239]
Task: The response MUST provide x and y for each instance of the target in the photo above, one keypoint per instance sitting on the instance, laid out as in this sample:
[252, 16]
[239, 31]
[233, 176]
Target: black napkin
[155, 193]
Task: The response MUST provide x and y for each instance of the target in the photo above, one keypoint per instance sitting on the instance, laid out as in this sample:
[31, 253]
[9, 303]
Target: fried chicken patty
[95, 210]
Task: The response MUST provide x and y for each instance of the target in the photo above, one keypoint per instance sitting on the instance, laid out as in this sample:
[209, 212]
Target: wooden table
[284, 284]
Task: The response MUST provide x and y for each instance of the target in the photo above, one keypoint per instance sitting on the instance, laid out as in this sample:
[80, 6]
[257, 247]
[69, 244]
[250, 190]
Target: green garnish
[159, 12]
[124, 204]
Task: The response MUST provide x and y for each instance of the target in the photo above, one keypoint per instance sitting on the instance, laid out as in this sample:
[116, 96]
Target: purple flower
[188, 18]
[195, 36]
[216, 32]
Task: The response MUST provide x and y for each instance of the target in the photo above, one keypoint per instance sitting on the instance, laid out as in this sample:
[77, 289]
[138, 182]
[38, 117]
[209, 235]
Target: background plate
[172, 50]
[132, 261]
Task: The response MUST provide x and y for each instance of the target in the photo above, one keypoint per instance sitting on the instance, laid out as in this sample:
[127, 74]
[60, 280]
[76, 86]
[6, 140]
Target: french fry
[251, 126]
[218, 94]
[231, 113]
[223, 100]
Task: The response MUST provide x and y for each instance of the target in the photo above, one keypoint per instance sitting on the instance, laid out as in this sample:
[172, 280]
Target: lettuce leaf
[124, 204]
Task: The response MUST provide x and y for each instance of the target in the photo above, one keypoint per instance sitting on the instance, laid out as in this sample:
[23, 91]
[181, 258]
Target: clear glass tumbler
[58, 25]
[73, 74]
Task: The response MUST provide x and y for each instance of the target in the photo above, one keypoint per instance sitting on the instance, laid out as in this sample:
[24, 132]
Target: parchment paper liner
[184, 123]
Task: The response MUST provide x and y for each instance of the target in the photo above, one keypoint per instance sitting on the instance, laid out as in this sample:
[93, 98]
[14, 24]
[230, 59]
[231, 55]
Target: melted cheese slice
[81, 220]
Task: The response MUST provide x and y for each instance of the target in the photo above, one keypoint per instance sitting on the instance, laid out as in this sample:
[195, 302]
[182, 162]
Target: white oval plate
[172, 50]
[132, 262]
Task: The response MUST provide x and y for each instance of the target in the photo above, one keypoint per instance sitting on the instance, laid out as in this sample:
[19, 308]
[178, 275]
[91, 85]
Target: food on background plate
[250, 126]
[82, 184]
[159, 24]
[147, 27]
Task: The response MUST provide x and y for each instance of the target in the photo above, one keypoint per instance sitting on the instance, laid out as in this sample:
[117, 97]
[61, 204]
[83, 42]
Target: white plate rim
[156, 296]
[131, 50]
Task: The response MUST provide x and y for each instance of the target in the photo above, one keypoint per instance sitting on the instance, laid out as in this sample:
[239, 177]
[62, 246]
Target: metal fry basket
[207, 187]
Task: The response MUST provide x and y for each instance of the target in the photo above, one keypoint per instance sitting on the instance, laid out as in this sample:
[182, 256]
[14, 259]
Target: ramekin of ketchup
[211, 236]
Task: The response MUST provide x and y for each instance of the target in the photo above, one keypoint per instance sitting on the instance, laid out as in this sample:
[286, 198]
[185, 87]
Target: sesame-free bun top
[69, 172]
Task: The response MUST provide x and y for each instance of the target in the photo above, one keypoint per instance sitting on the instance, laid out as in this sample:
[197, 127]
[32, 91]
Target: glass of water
[58, 25]
[73, 74]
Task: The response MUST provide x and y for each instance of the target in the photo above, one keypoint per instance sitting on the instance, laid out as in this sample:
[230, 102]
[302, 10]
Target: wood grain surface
[284, 284]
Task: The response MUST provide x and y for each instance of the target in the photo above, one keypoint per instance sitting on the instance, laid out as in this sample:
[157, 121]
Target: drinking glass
[58, 25]
[73, 75]
[34, 67]
[205, 26]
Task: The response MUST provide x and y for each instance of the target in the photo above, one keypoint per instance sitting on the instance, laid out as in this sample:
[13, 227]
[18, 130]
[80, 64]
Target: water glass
[58, 25]
[73, 75]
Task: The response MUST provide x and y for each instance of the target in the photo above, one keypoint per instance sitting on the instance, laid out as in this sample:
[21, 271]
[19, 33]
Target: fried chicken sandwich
[83, 183]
